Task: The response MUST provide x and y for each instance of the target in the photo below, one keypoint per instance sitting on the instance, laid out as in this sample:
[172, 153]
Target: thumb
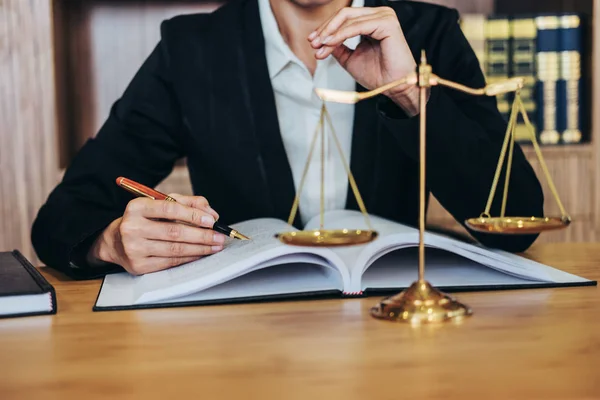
[342, 54]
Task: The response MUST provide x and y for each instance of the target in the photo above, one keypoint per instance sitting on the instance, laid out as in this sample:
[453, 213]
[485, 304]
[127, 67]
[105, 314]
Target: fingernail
[312, 35]
[212, 211]
[208, 220]
[327, 39]
[219, 238]
[216, 248]
[321, 51]
[316, 42]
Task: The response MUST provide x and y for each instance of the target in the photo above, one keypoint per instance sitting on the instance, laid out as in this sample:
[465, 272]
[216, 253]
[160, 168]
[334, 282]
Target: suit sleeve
[464, 138]
[139, 140]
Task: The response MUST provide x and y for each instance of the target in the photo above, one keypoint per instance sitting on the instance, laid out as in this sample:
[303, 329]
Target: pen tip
[241, 237]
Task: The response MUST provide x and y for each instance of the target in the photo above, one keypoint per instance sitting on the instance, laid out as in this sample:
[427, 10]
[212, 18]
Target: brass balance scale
[421, 302]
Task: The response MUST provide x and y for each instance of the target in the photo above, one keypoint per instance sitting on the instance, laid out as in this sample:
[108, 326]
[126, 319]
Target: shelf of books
[552, 44]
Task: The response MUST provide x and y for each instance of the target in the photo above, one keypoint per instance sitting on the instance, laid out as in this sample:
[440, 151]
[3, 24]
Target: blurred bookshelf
[87, 33]
[57, 88]
[85, 30]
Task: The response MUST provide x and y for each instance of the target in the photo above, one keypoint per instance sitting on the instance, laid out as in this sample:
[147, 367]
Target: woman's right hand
[148, 237]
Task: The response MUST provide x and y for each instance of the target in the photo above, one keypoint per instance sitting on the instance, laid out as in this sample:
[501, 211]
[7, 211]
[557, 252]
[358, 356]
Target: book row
[547, 51]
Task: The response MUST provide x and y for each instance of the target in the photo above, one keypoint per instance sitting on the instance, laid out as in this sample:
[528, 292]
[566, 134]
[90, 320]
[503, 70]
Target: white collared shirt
[298, 111]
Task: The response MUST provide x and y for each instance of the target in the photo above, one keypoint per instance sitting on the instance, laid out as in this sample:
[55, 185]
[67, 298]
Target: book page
[399, 269]
[394, 236]
[295, 278]
[237, 258]
[356, 257]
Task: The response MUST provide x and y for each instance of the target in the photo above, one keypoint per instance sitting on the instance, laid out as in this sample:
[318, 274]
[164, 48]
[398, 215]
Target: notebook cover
[37, 285]
[335, 294]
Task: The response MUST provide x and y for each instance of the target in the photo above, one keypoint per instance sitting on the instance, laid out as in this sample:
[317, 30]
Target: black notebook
[266, 269]
[23, 290]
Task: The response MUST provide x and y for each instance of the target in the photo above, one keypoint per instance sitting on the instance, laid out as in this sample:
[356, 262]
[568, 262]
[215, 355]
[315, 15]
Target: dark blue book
[569, 95]
[548, 74]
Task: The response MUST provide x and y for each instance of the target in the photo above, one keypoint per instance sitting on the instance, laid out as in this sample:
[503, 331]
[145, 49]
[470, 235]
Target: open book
[264, 268]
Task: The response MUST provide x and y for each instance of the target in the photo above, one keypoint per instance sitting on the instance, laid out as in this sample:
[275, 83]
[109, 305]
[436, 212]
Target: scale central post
[424, 83]
[421, 302]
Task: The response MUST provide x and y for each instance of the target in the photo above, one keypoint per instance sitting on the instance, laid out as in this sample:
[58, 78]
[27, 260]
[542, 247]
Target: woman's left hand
[381, 57]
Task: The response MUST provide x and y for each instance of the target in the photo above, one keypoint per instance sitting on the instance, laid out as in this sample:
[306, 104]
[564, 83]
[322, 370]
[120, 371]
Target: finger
[199, 202]
[170, 210]
[342, 54]
[173, 232]
[338, 20]
[155, 264]
[317, 31]
[372, 27]
[325, 50]
[156, 248]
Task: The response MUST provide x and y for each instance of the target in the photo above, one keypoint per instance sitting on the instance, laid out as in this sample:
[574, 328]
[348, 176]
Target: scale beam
[421, 302]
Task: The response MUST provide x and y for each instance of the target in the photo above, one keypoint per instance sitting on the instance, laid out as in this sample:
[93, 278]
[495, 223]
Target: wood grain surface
[596, 114]
[28, 157]
[104, 43]
[519, 344]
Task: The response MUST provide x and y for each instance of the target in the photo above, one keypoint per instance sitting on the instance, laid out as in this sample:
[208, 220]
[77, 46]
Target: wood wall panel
[28, 162]
[105, 43]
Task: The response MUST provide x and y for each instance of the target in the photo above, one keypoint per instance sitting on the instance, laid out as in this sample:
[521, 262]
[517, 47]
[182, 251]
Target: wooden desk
[527, 344]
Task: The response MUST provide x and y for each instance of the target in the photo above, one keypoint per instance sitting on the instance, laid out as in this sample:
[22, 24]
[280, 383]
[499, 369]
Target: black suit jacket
[204, 93]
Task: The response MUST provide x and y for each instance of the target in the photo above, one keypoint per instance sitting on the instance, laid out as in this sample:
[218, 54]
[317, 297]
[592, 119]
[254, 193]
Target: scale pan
[517, 225]
[327, 238]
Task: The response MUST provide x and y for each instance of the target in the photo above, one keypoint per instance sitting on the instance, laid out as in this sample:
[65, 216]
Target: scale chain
[538, 152]
[509, 133]
[313, 144]
[359, 199]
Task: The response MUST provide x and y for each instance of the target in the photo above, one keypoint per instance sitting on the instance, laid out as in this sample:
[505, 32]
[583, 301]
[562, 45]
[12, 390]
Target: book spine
[473, 27]
[44, 285]
[569, 98]
[497, 57]
[523, 53]
[548, 67]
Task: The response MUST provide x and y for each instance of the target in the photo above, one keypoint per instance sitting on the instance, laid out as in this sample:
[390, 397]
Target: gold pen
[143, 191]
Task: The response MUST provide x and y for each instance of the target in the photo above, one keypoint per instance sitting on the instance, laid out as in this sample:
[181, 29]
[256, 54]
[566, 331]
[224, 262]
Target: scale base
[420, 303]
[328, 238]
[517, 225]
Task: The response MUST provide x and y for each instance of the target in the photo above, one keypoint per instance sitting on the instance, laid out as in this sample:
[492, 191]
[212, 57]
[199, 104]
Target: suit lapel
[366, 160]
[364, 148]
[273, 159]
